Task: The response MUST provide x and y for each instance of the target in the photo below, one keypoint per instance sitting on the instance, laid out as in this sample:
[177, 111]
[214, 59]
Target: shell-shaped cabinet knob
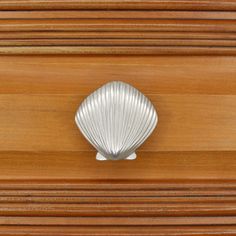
[116, 119]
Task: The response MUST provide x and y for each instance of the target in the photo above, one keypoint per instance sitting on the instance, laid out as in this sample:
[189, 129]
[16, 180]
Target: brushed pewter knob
[116, 119]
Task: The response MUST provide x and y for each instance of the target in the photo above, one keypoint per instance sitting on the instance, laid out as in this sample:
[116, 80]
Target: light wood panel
[150, 74]
[186, 123]
[147, 166]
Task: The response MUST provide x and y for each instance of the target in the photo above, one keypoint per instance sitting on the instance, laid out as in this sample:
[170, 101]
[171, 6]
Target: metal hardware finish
[116, 119]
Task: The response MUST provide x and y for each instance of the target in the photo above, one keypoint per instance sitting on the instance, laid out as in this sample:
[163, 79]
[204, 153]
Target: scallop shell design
[116, 119]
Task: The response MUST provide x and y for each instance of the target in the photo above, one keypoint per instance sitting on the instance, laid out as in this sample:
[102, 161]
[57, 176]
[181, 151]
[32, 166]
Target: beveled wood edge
[118, 184]
[118, 14]
[117, 50]
[117, 230]
[118, 4]
[115, 221]
[119, 42]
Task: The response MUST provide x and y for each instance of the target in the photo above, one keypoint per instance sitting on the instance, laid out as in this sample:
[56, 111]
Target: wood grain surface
[109, 204]
[148, 166]
[183, 178]
[118, 4]
[114, 230]
[118, 14]
[73, 74]
[111, 25]
[186, 123]
[157, 27]
[181, 54]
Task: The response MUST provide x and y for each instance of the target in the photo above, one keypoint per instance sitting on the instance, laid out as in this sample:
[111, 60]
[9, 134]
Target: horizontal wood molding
[188, 123]
[116, 221]
[153, 207]
[123, 25]
[115, 35]
[118, 4]
[136, 27]
[118, 42]
[117, 230]
[115, 50]
[118, 14]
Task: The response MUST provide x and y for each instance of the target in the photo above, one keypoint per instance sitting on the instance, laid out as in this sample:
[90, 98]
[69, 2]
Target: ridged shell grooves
[116, 119]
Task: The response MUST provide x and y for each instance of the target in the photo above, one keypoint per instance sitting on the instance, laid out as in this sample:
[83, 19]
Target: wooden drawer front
[195, 99]
[183, 178]
[180, 54]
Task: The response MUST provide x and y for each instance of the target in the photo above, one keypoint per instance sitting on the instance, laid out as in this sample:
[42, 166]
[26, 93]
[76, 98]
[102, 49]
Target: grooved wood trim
[109, 207]
[117, 230]
[116, 221]
[118, 4]
[187, 123]
[115, 50]
[118, 42]
[116, 35]
[99, 209]
[124, 25]
[157, 27]
[114, 203]
[114, 14]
